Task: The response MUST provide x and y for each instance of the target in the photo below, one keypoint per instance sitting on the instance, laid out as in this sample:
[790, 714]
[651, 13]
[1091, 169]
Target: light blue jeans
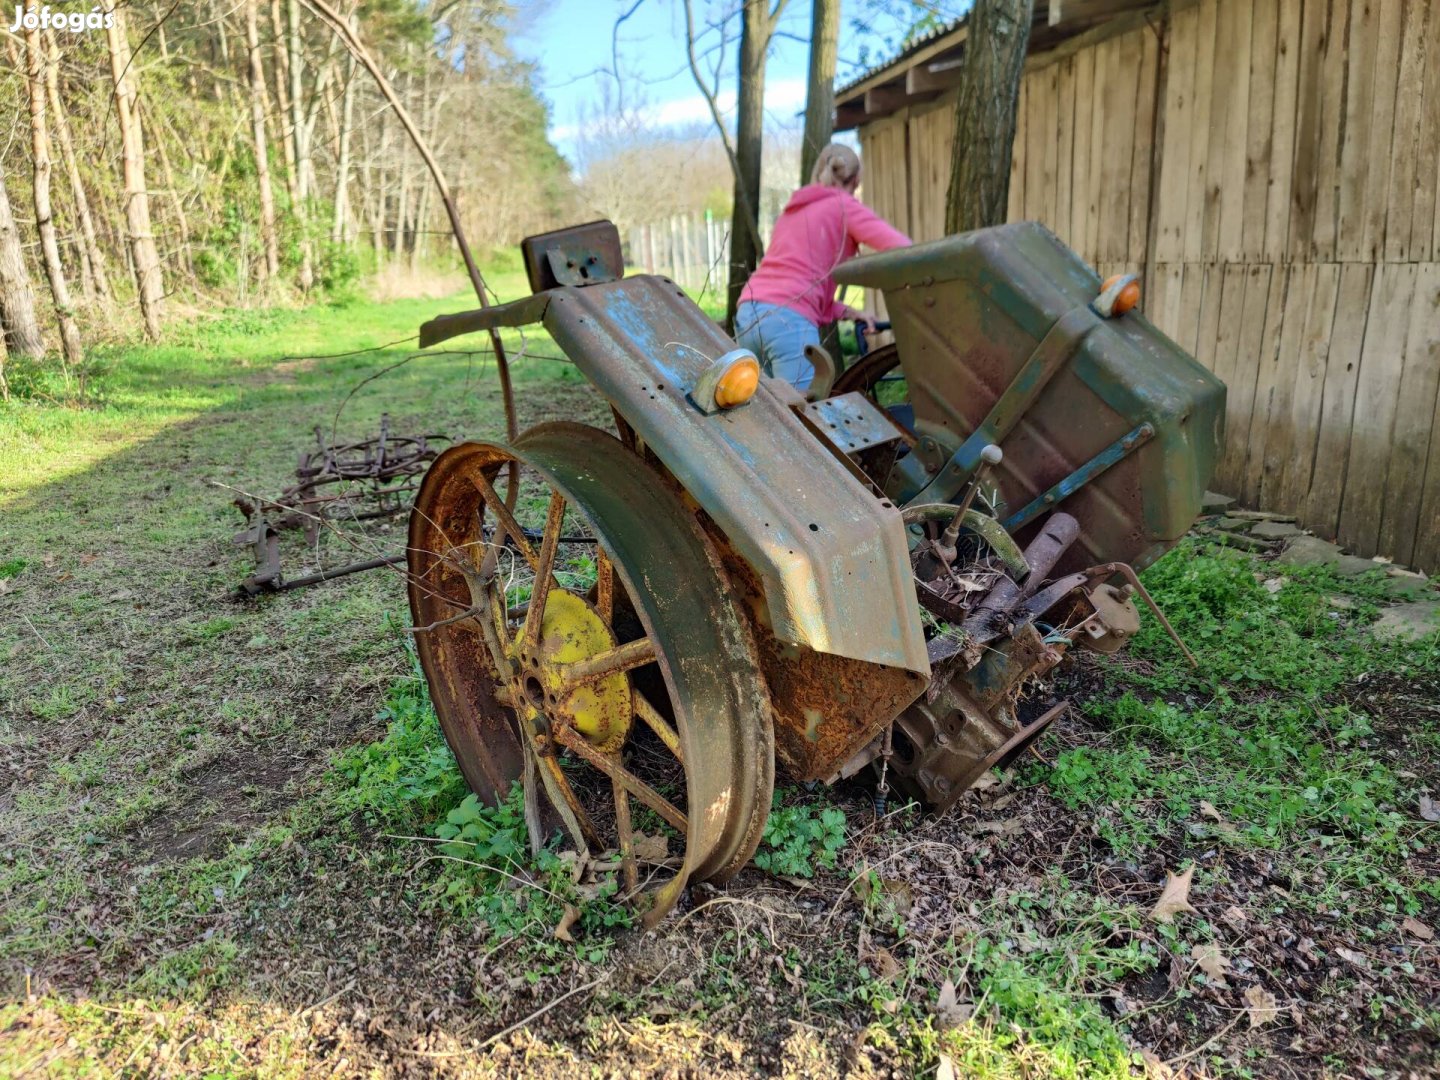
[777, 336]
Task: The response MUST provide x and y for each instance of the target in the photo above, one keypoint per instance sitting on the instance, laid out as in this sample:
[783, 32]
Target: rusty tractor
[641, 627]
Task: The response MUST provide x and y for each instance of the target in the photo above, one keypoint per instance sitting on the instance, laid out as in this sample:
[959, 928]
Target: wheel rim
[866, 372]
[601, 690]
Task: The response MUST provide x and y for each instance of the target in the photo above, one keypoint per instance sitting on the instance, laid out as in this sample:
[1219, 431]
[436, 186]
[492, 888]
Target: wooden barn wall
[1271, 167]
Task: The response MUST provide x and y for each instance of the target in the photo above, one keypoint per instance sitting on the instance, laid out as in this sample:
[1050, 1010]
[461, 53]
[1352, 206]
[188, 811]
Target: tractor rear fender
[831, 556]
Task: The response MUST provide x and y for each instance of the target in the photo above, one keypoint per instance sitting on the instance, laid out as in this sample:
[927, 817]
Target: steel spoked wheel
[875, 376]
[580, 639]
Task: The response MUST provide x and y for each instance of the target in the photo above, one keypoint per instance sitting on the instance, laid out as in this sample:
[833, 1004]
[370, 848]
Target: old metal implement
[334, 483]
[641, 628]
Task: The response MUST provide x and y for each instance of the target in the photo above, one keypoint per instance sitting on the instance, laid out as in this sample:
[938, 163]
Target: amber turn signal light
[738, 383]
[1118, 295]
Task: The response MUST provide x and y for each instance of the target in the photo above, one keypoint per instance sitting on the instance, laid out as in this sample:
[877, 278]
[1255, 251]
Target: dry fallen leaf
[1429, 809]
[950, 1012]
[946, 1068]
[567, 920]
[1416, 928]
[880, 961]
[650, 848]
[1235, 917]
[1212, 962]
[1175, 898]
[1261, 1006]
[1352, 957]
[1208, 810]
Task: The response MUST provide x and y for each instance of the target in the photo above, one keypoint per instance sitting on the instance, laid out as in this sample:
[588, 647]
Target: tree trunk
[17, 298]
[757, 24]
[262, 150]
[90, 244]
[44, 217]
[301, 135]
[149, 281]
[990, 73]
[339, 227]
[181, 220]
[820, 86]
[282, 101]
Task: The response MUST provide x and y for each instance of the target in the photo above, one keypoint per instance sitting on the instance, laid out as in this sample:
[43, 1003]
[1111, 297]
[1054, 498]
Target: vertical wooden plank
[1337, 408]
[1270, 434]
[1229, 122]
[1201, 162]
[1050, 168]
[1192, 295]
[1065, 147]
[1333, 104]
[1249, 348]
[1305, 181]
[1423, 223]
[1095, 186]
[1034, 147]
[1376, 396]
[1261, 128]
[1355, 151]
[1228, 360]
[1427, 531]
[1278, 195]
[1196, 195]
[1161, 302]
[1125, 57]
[1414, 421]
[1253, 394]
[1142, 157]
[1291, 465]
[1080, 154]
[1382, 128]
[1409, 109]
[1017, 160]
[1179, 106]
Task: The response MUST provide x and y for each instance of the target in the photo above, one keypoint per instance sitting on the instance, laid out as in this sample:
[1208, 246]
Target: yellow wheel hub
[571, 631]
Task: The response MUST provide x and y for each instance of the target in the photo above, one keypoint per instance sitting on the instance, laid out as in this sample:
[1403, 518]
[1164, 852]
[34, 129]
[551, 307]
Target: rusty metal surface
[851, 422]
[969, 311]
[579, 255]
[673, 578]
[831, 555]
[826, 707]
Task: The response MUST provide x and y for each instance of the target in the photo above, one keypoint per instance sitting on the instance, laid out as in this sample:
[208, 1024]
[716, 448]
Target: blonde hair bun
[837, 167]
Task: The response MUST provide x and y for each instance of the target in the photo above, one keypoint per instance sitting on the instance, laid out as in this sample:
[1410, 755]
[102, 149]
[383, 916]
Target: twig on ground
[543, 1010]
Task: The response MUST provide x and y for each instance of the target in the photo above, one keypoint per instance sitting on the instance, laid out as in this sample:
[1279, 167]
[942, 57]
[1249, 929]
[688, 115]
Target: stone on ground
[1409, 620]
[1310, 551]
[1212, 503]
[1274, 530]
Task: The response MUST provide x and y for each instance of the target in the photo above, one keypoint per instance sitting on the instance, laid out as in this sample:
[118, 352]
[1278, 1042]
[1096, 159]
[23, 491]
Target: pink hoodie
[820, 228]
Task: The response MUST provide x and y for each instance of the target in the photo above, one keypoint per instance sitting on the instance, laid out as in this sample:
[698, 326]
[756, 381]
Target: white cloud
[784, 98]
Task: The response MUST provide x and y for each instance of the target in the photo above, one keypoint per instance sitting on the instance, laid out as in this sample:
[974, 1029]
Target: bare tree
[44, 216]
[300, 132]
[262, 152]
[149, 281]
[989, 94]
[17, 298]
[757, 25]
[820, 83]
[93, 274]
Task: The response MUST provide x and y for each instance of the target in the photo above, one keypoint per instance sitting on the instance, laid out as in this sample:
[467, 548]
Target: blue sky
[570, 39]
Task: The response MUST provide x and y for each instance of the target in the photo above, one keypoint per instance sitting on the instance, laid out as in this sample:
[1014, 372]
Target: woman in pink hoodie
[792, 293]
